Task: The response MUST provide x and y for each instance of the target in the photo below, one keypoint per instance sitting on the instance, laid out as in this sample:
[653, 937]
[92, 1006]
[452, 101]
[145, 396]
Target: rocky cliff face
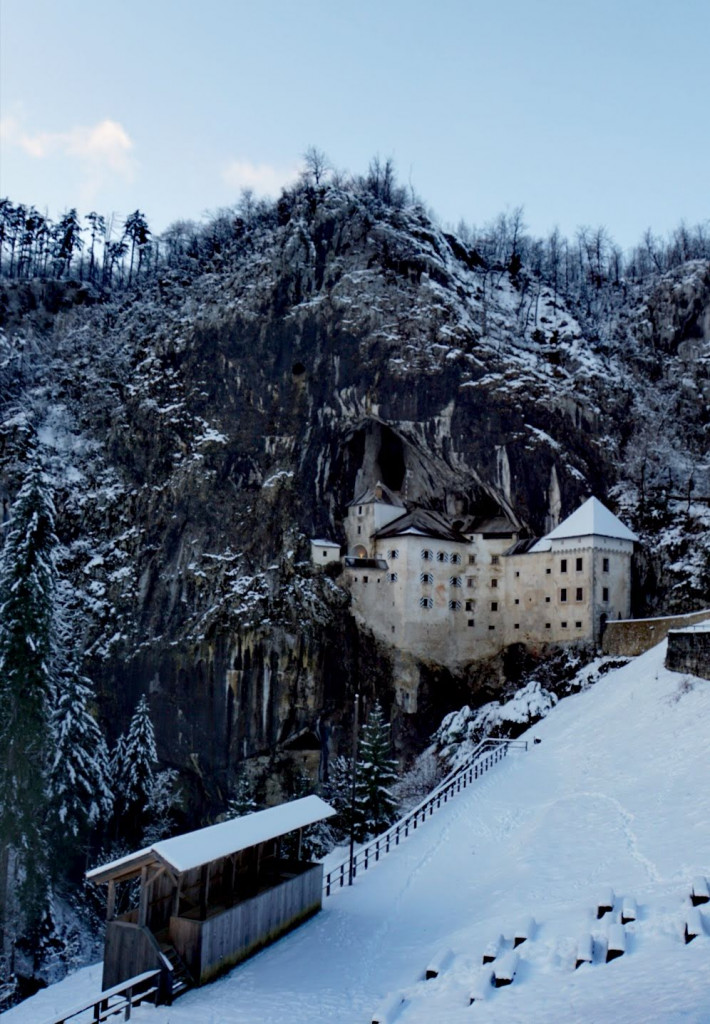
[201, 430]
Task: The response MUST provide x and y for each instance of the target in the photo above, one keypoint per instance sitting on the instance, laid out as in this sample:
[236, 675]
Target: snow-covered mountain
[616, 795]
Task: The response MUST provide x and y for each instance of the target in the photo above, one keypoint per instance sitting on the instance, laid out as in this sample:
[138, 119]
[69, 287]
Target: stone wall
[689, 651]
[629, 637]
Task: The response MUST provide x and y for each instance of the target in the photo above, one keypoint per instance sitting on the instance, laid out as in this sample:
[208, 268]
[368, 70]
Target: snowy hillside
[616, 795]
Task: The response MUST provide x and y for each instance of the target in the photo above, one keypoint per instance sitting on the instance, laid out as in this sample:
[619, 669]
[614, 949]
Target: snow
[591, 519]
[616, 795]
[194, 849]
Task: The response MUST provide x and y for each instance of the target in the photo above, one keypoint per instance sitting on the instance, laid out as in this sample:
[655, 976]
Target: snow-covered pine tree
[80, 777]
[134, 762]
[376, 772]
[27, 649]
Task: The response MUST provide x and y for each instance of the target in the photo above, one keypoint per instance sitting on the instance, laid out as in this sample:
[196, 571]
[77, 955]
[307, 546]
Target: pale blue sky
[582, 113]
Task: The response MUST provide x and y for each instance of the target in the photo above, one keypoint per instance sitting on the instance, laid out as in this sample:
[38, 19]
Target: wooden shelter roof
[204, 845]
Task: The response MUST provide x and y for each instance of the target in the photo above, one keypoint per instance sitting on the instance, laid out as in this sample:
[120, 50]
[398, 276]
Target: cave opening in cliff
[390, 459]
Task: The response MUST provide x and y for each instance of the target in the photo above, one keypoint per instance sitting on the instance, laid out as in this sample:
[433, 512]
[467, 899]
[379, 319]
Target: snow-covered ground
[616, 795]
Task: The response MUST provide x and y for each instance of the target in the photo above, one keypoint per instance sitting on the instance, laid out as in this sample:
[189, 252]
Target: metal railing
[486, 754]
[119, 999]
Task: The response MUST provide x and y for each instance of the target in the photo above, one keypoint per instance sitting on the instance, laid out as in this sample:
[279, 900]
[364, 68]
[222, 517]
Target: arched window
[426, 577]
[427, 555]
[426, 602]
[455, 558]
[454, 581]
[442, 556]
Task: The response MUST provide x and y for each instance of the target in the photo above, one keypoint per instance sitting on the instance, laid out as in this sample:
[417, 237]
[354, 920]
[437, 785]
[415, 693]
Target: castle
[454, 590]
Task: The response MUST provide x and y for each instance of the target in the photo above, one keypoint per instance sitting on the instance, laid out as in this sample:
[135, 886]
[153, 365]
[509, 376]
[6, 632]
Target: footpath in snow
[615, 796]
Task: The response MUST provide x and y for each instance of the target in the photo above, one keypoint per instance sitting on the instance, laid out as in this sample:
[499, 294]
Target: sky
[584, 114]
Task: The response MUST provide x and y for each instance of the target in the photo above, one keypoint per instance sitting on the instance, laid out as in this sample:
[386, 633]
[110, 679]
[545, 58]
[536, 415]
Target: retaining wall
[689, 651]
[629, 637]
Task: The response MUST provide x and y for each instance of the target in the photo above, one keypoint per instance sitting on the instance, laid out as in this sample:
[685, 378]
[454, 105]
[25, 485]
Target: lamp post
[352, 790]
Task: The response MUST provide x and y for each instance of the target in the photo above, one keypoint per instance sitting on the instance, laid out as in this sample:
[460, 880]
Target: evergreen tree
[159, 805]
[27, 650]
[376, 772]
[134, 762]
[80, 773]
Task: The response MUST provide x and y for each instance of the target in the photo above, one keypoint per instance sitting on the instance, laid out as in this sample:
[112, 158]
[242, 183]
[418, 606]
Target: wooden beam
[143, 904]
[111, 900]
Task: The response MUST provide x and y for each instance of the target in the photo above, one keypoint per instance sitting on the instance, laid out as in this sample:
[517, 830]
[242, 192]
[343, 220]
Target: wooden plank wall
[209, 947]
[128, 950]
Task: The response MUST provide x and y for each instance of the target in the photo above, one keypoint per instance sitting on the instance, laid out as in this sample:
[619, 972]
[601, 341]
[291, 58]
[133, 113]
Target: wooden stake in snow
[585, 950]
[616, 945]
[389, 1009]
[629, 910]
[505, 968]
[699, 892]
[492, 949]
[524, 931]
[481, 987]
[439, 963]
[693, 925]
[605, 902]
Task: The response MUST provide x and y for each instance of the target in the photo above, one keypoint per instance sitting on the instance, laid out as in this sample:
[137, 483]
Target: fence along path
[486, 754]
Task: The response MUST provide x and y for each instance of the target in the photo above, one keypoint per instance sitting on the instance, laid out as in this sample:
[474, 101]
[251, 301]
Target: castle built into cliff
[454, 590]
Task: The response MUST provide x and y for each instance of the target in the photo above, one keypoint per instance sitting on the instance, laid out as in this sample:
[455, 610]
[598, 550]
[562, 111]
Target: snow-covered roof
[324, 543]
[592, 519]
[193, 849]
[422, 523]
[379, 494]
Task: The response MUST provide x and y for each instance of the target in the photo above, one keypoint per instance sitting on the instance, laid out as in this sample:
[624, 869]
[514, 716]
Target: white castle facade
[454, 590]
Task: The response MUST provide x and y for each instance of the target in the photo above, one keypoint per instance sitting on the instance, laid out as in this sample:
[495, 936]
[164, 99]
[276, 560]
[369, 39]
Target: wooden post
[176, 897]
[204, 890]
[300, 843]
[143, 904]
[111, 900]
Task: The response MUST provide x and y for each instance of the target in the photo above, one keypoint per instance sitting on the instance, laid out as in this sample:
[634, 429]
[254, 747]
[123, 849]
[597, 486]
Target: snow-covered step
[693, 925]
[389, 1009]
[629, 910]
[482, 985]
[585, 950]
[439, 963]
[524, 930]
[505, 968]
[492, 950]
[699, 892]
[605, 901]
[616, 942]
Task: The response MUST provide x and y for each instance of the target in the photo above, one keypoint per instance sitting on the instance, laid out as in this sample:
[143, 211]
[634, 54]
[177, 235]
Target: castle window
[563, 565]
[392, 577]
[455, 558]
[471, 559]
[517, 600]
[564, 625]
[495, 559]
[605, 593]
[469, 581]
[494, 583]
[605, 565]
[442, 556]
[491, 627]
[494, 606]
[365, 579]
[516, 625]
[426, 577]
[548, 571]
[427, 555]
[359, 510]
[359, 529]
[471, 622]
[469, 606]
[578, 625]
[454, 606]
[426, 602]
[580, 594]
[394, 553]
[547, 600]
[547, 625]
[454, 581]
[579, 564]
[517, 574]
[563, 594]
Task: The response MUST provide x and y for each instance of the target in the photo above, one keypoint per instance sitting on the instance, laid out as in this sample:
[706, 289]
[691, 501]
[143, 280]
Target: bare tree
[317, 165]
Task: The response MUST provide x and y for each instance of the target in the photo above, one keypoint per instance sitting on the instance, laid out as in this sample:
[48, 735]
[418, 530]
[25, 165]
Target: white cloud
[102, 150]
[263, 179]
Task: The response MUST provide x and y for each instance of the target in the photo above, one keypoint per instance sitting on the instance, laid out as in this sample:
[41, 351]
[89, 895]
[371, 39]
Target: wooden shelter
[209, 898]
